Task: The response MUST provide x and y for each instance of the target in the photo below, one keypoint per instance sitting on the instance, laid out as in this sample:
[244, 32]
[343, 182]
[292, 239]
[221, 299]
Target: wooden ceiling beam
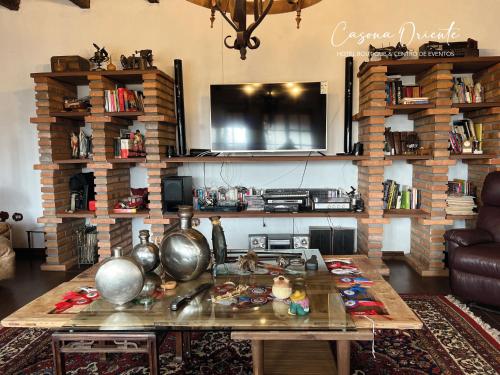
[84, 4]
[10, 4]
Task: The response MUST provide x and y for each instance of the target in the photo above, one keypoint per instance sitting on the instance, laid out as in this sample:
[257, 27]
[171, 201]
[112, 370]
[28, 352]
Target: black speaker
[177, 191]
[349, 68]
[321, 238]
[179, 108]
[343, 241]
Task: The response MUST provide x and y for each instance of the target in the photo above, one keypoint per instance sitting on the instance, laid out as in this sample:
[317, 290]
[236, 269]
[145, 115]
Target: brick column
[371, 121]
[490, 118]
[112, 181]
[160, 122]
[431, 176]
[54, 145]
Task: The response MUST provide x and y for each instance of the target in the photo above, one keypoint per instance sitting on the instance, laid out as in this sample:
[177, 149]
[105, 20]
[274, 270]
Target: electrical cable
[304, 171]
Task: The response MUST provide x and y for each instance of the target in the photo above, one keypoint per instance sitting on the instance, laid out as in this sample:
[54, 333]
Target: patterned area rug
[452, 342]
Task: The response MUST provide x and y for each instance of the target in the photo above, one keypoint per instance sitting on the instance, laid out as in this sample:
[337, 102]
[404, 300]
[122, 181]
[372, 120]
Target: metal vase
[184, 251]
[119, 279]
[146, 253]
[151, 282]
[218, 240]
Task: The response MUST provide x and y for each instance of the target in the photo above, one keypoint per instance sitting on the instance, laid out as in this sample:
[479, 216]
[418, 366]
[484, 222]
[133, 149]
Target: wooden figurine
[74, 145]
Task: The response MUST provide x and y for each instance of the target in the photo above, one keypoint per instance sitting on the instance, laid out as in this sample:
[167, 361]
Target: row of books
[396, 93]
[400, 143]
[401, 197]
[123, 100]
[459, 186]
[465, 91]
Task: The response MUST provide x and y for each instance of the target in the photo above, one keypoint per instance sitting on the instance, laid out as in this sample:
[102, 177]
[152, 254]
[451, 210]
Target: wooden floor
[30, 282]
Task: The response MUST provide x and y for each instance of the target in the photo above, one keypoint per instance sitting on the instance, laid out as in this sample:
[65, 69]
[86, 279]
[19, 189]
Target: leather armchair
[474, 254]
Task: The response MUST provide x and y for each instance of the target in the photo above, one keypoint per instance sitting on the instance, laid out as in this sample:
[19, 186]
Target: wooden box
[69, 64]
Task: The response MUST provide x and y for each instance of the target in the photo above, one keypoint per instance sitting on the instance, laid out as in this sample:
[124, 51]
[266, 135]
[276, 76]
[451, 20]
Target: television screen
[268, 117]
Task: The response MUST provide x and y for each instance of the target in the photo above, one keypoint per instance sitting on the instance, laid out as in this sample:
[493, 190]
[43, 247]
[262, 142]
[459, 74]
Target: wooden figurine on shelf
[111, 67]
[74, 145]
[100, 56]
[138, 145]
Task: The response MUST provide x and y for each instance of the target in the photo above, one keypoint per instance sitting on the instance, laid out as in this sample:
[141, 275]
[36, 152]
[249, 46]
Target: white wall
[178, 29]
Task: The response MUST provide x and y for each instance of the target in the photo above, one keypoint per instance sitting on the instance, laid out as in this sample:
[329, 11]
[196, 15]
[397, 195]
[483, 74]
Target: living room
[189, 185]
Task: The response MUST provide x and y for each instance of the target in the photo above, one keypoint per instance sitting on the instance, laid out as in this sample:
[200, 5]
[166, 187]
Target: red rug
[452, 342]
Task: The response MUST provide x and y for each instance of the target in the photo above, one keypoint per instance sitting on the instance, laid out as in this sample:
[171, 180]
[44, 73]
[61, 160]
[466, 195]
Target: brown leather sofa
[474, 254]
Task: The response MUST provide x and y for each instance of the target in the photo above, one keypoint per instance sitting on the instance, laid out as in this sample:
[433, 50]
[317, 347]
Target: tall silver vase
[119, 279]
[184, 251]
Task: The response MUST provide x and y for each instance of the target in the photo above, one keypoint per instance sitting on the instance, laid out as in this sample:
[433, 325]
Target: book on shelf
[459, 186]
[397, 93]
[466, 91]
[400, 197]
[123, 100]
[400, 143]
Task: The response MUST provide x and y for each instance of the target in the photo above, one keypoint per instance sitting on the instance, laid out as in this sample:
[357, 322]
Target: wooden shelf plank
[81, 78]
[407, 157]
[71, 115]
[415, 66]
[127, 115]
[461, 217]
[403, 213]
[466, 107]
[73, 161]
[261, 159]
[126, 160]
[405, 109]
[80, 214]
[140, 213]
[262, 214]
[471, 156]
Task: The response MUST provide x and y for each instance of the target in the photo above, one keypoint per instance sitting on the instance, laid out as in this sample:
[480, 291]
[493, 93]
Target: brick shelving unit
[432, 122]
[112, 176]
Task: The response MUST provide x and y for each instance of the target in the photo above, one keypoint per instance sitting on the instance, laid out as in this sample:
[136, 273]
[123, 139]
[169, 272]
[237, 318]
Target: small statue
[138, 146]
[131, 62]
[299, 303]
[146, 56]
[74, 145]
[218, 240]
[248, 262]
[478, 93]
[100, 56]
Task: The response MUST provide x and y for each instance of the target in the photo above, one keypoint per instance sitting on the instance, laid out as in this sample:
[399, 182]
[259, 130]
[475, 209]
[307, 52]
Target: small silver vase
[146, 253]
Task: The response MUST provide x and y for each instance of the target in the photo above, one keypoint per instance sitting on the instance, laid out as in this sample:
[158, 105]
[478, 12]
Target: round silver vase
[146, 253]
[119, 279]
[184, 252]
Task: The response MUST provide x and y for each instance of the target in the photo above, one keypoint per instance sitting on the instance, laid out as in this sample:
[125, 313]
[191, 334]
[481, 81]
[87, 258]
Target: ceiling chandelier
[235, 13]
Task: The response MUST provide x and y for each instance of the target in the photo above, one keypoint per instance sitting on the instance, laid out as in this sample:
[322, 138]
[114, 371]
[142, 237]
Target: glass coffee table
[99, 327]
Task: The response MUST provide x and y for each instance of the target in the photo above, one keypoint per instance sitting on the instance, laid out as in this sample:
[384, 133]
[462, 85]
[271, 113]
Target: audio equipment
[333, 241]
[278, 241]
[286, 200]
[257, 241]
[349, 68]
[321, 239]
[343, 241]
[179, 108]
[177, 191]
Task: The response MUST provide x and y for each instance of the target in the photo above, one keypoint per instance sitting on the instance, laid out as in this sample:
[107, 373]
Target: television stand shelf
[261, 159]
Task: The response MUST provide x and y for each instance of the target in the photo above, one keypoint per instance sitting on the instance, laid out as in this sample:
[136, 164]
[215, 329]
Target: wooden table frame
[342, 338]
[104, 342]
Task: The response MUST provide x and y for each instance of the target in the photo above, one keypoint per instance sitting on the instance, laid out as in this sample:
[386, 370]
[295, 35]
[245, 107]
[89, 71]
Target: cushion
[483, 259]
[5, 248]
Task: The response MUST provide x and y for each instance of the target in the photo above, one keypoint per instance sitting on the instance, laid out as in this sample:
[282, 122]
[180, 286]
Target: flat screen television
[268, 117]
